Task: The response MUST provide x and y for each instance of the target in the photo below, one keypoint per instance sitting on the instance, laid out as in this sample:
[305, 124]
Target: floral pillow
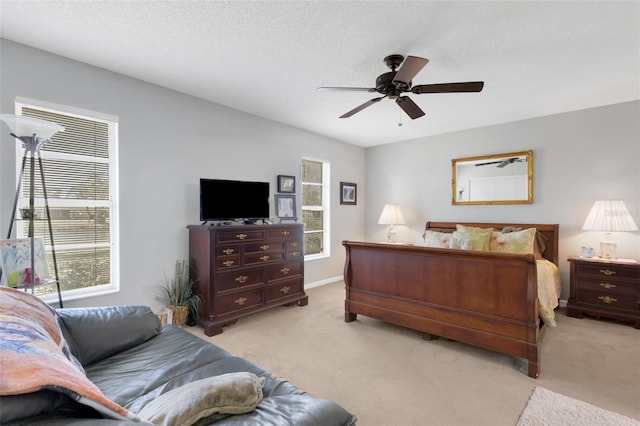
[520, 242]
[437, 239]
[470, 240]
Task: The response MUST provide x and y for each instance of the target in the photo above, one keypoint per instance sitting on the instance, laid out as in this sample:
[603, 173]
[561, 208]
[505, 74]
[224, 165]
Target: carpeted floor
[389, 375]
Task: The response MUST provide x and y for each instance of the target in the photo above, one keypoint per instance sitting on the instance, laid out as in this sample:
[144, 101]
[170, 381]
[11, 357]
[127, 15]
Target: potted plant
[177, 294]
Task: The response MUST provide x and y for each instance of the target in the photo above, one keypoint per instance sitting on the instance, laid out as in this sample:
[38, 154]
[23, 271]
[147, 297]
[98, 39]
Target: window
[80, 171]
[315, 208]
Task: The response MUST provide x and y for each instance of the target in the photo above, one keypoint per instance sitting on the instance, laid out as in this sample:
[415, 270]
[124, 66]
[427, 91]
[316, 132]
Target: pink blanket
[35, 356]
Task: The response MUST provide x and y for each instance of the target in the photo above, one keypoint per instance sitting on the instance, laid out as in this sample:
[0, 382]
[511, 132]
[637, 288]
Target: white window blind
[80, 170]
[315, 208]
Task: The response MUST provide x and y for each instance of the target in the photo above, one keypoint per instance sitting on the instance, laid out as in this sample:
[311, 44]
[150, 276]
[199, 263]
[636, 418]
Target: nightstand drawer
[617, 301]
[608, 271]
[607, 286]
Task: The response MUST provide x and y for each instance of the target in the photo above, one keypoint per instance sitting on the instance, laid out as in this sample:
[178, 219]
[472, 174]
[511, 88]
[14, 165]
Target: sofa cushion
[211, 398]
[97, 333]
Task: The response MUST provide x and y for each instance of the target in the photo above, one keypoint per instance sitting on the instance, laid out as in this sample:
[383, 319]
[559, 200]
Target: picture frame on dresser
[286, 184]
[285, 206]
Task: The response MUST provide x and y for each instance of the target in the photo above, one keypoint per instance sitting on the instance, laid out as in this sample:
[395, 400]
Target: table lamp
[391, 215]
[609, 216]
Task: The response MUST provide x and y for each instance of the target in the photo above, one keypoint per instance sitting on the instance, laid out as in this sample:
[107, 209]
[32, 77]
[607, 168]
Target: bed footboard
[480, 298]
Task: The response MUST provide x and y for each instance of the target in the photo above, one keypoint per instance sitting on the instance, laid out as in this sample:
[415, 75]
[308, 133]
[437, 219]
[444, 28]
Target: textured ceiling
[267, 58]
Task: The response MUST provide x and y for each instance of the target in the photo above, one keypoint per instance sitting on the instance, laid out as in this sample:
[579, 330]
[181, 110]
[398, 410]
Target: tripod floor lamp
[33, 133]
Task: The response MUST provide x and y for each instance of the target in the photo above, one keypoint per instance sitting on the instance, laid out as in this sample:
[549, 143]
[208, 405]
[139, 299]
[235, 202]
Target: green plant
[178, 290]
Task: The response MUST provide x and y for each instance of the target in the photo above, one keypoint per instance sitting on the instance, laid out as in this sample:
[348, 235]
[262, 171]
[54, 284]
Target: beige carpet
[389, 375]
[551, 408]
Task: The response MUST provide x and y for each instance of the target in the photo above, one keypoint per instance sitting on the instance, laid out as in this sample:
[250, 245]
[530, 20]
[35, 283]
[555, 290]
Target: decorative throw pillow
[520, 242]
[211, 398]
[470, 240]
[473, 229]
[437, 239]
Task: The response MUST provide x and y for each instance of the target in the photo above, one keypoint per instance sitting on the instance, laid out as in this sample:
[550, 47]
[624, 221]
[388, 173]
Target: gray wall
[578, 158]
[168, 141]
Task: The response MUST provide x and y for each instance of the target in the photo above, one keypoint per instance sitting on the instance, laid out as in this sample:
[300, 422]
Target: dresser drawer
[263, 247]
[284, 270]
[261, 258]
[608, 300]
[227, 262]
[239, 235]
[235, 302]
[284, 289]
[607, 286]
[239, 278]
[284, 233]
[608, 271]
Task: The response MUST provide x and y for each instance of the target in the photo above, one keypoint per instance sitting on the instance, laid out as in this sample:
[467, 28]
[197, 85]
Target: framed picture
[15, 262]
[348, 193]
[286, 206]
[286, 184]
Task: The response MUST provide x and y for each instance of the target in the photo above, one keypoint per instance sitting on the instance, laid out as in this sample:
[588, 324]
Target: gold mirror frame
[500, 170]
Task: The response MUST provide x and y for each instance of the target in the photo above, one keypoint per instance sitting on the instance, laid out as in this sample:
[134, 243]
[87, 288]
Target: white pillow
[217, 396]
[437, 239]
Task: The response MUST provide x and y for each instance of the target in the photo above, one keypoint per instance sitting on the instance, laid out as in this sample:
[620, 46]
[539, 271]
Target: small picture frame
[286, 184]
[286, 206]
[348, 193]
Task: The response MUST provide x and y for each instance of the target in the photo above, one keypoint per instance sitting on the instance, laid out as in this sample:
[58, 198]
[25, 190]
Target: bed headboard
[549, 230]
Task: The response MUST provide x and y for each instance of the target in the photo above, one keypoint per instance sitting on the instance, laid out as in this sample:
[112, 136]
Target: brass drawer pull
[264, 258]
[607, 285]
[607, 299]
[285, 271]
[285, 290]
[241, 279]
[608, 272]
[285, 233]
[295, 253]
[241, 300]
[241, 236]
[228, 251]
[228, 263]
[264, 247]
[294, 244]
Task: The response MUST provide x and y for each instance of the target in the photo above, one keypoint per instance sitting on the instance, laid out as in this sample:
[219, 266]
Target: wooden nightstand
[604, 289]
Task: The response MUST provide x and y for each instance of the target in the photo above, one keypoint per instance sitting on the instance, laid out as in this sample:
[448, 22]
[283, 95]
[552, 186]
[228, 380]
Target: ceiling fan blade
[486, 164]
[409, 68]
[347, 89]
[409, 107]
[361, 107]
[471, 86]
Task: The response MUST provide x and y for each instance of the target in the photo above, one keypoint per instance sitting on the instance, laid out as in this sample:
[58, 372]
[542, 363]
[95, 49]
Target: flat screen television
[223, 200]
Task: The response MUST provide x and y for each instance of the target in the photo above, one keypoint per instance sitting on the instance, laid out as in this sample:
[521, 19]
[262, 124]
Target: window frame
[113, 203]
[325, 208]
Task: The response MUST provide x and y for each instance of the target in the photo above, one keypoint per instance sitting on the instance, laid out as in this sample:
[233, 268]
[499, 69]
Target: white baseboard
[562, 303]
[323, 282]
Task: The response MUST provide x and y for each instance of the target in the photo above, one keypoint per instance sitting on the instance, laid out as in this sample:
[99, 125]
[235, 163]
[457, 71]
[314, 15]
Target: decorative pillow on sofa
[519, 242]
[437, 239]
[211, 398]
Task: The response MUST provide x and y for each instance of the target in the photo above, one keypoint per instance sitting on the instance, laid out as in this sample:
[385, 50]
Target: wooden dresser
[243, 269]
[604, 289]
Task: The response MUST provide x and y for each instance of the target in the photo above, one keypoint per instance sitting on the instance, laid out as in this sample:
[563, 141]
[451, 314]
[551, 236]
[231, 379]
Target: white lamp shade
[28, 126]
[391, 215]
[609, 216]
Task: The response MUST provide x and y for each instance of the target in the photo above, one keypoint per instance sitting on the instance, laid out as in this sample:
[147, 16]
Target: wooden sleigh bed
[483, 298]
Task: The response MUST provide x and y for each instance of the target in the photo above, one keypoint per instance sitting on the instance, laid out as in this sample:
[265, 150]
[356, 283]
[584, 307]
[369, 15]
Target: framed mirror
[493, 179]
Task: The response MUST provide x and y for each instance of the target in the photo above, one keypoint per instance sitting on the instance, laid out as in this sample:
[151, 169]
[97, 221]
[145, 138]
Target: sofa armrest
[96, 333]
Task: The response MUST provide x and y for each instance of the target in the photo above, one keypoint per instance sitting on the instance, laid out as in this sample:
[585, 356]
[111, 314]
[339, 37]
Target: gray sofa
[134, 360]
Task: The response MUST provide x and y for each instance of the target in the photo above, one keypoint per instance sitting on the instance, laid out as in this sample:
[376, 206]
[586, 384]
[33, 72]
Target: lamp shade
[391, 215]
[609, 216]
[28, 126]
